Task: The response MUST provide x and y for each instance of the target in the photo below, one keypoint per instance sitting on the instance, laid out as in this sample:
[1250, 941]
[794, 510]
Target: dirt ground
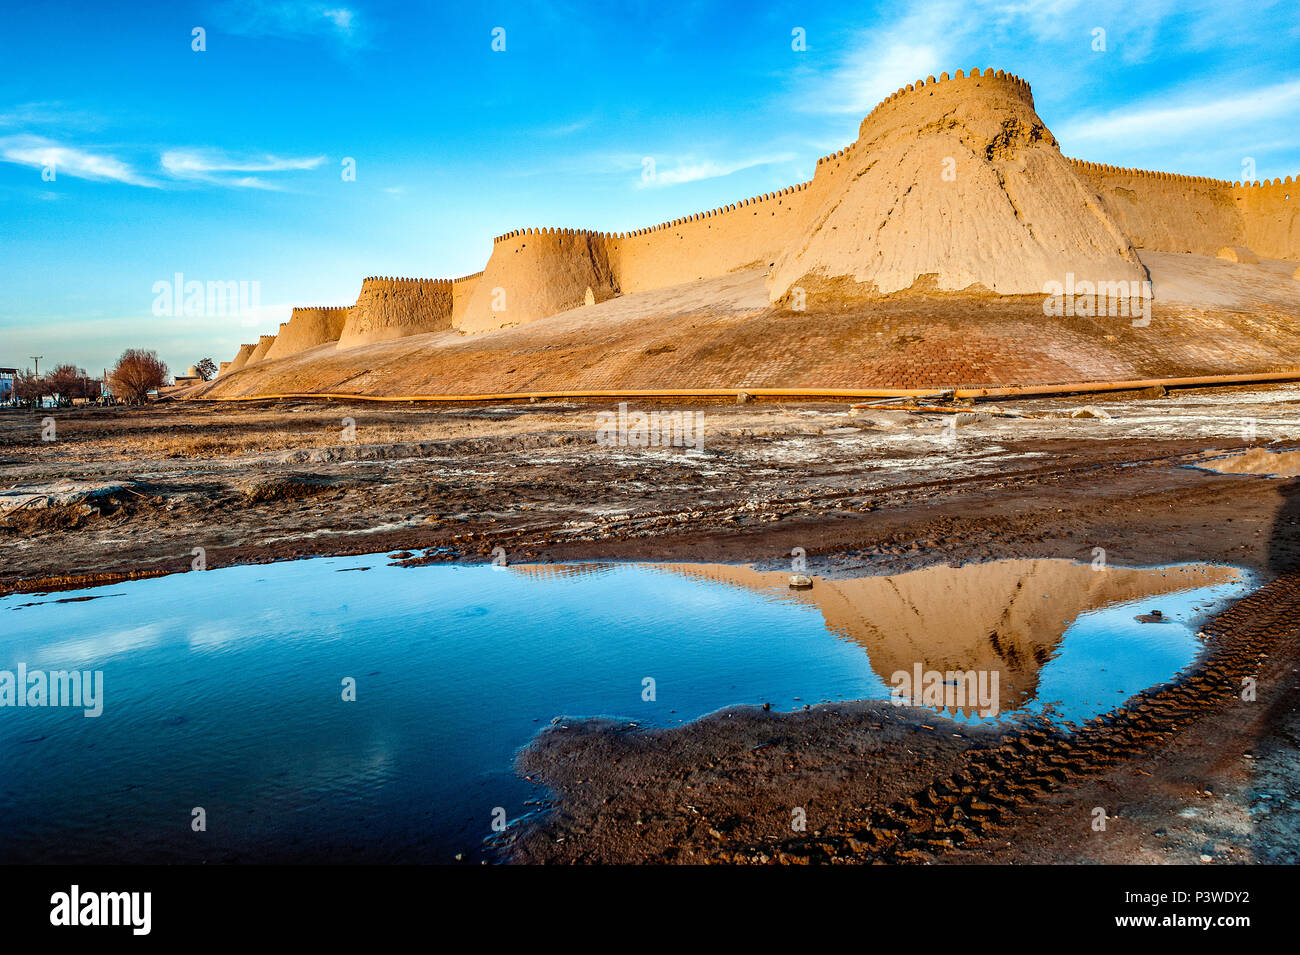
[1186, 773]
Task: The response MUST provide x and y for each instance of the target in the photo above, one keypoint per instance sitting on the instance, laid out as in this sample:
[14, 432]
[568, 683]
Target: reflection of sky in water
[222, 690]
[1107, 656]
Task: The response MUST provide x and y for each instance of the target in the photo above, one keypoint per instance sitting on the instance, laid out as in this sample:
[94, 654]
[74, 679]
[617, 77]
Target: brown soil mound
[1238, 253]
[282, 489]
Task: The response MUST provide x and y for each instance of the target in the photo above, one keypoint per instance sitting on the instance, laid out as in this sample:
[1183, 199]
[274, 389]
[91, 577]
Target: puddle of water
[1261, 461]
[224, 689]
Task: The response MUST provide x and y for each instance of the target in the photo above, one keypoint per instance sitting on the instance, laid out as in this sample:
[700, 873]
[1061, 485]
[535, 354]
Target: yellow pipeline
[989, 391]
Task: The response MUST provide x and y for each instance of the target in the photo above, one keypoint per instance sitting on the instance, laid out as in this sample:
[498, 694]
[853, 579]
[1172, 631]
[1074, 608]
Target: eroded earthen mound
[956, 185]
[1238, 253]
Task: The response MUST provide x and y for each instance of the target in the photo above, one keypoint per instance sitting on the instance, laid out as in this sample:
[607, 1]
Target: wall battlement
[240, 359]
[1169, 212]
[911, 92]
[1278, 187]
[660, 226]
[396, 281]
[1099, 167]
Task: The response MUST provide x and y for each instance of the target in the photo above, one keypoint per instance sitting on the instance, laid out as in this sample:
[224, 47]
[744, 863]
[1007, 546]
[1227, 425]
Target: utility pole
[37, 359]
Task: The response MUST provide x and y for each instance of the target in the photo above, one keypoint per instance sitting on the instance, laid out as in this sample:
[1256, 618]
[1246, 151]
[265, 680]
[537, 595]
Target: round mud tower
[240, 359]
[534, 275]
[390, 308]
[263, 346]
[307, 328]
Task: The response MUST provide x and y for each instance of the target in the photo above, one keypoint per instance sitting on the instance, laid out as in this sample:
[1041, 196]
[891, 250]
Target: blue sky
[226, 164]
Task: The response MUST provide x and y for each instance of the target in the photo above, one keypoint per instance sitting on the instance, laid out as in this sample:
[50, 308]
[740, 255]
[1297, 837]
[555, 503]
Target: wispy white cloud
[693, 170]
[567, 129]
[341, 17]
[32, 143]
[1193, 118]
[213, 166]
[889, 55]
[913, 39]
[292, 19]
[40, 153]
[48, 114]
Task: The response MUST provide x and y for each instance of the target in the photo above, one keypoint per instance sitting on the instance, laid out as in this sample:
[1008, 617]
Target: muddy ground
[1188, 773]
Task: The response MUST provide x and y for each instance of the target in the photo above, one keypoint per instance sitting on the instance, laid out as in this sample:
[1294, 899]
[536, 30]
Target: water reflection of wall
[1006, 616]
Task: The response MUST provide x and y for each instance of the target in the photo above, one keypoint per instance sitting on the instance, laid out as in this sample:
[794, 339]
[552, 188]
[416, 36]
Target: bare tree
[207, 368]
[69, 381]
[29, 388]
[137, 373]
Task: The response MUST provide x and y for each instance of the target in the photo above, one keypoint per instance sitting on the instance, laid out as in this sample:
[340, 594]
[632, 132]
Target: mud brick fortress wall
[1172, 213]
[1270, 212]
[876, 218]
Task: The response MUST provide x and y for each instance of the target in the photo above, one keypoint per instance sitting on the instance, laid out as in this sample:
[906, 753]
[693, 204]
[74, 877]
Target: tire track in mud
[996, 783]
